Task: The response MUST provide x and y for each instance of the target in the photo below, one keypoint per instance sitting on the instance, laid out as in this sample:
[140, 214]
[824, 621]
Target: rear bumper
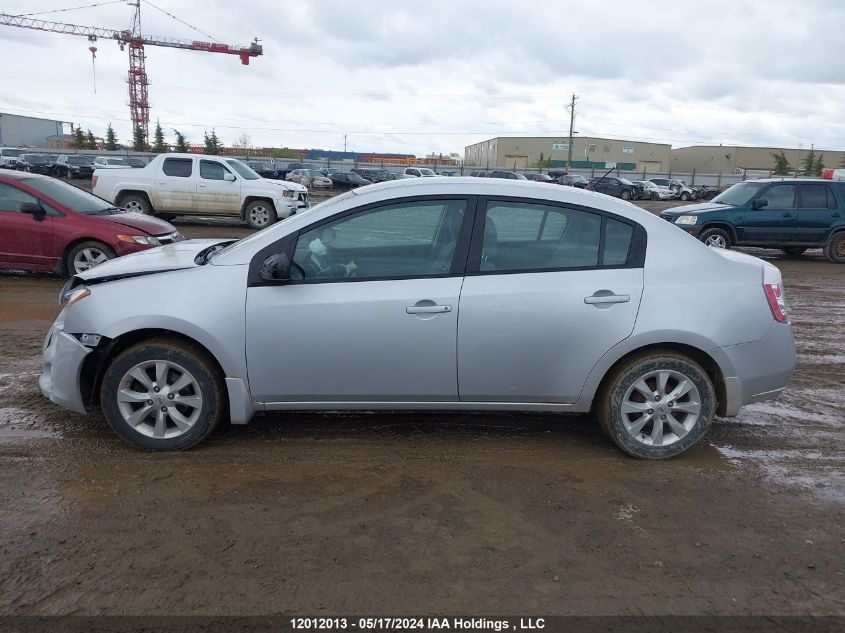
[62, 362]
[757, 371]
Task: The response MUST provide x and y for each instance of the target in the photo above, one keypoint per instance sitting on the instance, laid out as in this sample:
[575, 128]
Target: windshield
[625, 181]
[281, 223]
[739, 194]
[11, 152]
[243, 171]
[117, 161]
[34, 158]
[78, 160]
[314, 173]
[257, 165]
[72, 197]
[426, 172]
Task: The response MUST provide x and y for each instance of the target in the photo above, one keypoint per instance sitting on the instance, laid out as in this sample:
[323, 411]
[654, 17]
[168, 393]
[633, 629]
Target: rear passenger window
[817, 197]
[179, 167]
[617, 242]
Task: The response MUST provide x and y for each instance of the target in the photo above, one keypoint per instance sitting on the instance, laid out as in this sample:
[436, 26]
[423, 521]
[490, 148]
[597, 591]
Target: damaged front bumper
[62, 358]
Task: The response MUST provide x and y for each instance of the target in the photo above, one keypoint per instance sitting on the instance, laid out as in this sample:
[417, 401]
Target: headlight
[686, 219]
[287, 193]
[70, 297]
[140, 239]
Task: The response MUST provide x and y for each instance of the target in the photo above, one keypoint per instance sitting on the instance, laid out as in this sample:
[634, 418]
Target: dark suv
[792, 215]
[613, 186]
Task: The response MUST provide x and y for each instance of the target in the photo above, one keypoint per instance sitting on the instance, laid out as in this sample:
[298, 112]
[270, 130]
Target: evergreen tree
[819, 167]
[782, 166]
[139, 143]
[111, 139]
[212, 143]
[159, 146]
[78, 138]
[842, 162]
[181, 143]
[90, 141]
[809, 163]
[543, 162]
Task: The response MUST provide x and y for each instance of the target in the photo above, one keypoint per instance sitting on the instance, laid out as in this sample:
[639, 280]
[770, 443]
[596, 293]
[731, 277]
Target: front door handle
[607, 298]
[428, 309]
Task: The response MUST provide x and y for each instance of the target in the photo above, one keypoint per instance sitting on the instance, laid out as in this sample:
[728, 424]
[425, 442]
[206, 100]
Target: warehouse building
[523, 152]
[27, 131]
[729, 159]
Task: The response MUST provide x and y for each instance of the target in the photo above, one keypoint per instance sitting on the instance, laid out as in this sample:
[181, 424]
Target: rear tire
[626, 195]
[655, 196]
[137, 203]
[794, 251]
[677, 391]
[135, 395]
[260, 214]
[716, 237]
[834, 250]
[684, 196]
[86, 255]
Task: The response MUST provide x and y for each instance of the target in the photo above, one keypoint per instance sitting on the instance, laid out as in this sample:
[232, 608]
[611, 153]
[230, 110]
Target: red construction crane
[139, 106]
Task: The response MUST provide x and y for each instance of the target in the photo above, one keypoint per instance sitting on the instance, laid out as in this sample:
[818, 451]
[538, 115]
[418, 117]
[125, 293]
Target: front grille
[667, 217]
[169, 238]
[302, 197]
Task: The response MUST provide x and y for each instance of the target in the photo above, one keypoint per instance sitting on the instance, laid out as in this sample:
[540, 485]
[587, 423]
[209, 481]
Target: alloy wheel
[134, 205]
[159, 399]
[88, 258]
[716, 240]
[259, 215]
[661, 407]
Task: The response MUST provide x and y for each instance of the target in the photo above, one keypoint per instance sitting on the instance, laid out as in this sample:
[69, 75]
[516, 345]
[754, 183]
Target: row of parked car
[67, 165]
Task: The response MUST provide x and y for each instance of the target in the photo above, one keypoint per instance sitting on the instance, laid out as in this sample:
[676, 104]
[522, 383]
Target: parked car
[501, 173]
[9, 157]
[347, 180]
[74, 166]
[263, 169]
[373, 175]
[791, 215]
[613, 186]
[309, 178]
[110, 162]
[34, 163]
[419, 172]
[681, 191]
[49, 225]
[452, 173]
[194, 184]
[655, 192]
[602, 307]
[573, 180]
[557, 173]
[282, 172]
[640, 191]
[395, 176]
[539, 177]
[134, 161]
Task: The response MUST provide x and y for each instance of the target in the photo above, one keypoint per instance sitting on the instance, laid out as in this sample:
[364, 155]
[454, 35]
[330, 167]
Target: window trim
[213, 162]
[636, 250]
[180, 159]
[287, 244]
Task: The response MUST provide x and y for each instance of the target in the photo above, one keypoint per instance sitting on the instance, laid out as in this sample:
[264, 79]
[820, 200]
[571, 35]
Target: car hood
[695, 209]
[176, 256]
[146, 223]
[286, 184]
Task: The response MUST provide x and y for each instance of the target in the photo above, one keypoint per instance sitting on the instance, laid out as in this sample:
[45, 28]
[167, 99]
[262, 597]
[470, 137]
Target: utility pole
[344, 143]
[571, 126]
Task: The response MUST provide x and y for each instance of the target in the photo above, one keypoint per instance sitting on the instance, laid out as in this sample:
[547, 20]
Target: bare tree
[243, 143]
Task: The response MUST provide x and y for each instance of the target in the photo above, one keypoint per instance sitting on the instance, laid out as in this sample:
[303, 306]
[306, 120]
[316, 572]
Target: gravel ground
[435, 513]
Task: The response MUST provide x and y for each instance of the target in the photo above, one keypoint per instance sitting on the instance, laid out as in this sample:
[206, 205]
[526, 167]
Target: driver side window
[780, 197]
[11, 198]
[410, 239]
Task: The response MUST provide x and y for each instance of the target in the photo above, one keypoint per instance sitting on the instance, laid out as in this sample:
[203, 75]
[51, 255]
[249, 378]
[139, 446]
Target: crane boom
[139, 107]
[125, 37]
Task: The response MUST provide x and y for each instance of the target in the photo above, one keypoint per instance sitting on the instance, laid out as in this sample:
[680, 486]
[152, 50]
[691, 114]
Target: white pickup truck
[183, 184]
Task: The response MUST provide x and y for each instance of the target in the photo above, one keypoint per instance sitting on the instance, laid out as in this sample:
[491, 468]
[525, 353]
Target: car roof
[20, 175]
[810, 179]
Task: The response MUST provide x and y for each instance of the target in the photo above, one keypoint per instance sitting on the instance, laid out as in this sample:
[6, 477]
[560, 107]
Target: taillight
[93, 181]
[774, 294]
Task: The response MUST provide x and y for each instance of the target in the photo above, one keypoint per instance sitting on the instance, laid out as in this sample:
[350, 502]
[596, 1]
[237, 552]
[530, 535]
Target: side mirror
[759, 203]
[229, 177]
[36, 210]
[275, 268]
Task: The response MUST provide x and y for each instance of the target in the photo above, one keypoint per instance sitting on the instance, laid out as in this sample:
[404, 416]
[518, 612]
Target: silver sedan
[434, 294]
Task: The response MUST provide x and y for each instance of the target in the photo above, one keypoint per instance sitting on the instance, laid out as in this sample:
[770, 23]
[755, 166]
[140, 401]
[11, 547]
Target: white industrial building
[27, 131]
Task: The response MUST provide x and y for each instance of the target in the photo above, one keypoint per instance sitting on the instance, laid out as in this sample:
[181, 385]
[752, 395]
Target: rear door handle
[607, 299]
[787, 215]
[428, 309]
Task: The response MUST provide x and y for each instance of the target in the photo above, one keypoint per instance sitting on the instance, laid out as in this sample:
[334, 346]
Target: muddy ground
[426, 513]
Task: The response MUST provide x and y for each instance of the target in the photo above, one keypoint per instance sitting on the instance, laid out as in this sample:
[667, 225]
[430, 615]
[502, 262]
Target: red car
[47, 224]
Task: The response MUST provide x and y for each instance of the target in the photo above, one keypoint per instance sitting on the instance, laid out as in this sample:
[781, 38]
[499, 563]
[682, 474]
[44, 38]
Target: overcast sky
[438, 75]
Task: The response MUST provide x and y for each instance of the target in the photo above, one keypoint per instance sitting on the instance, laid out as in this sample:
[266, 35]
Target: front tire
[684, 196]
[655, 196]
[626, 195]
[162, 395]
[657, 405]
[834, 250]
[716, 237]
[136, 203]
[86, 255]
[259, 214]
